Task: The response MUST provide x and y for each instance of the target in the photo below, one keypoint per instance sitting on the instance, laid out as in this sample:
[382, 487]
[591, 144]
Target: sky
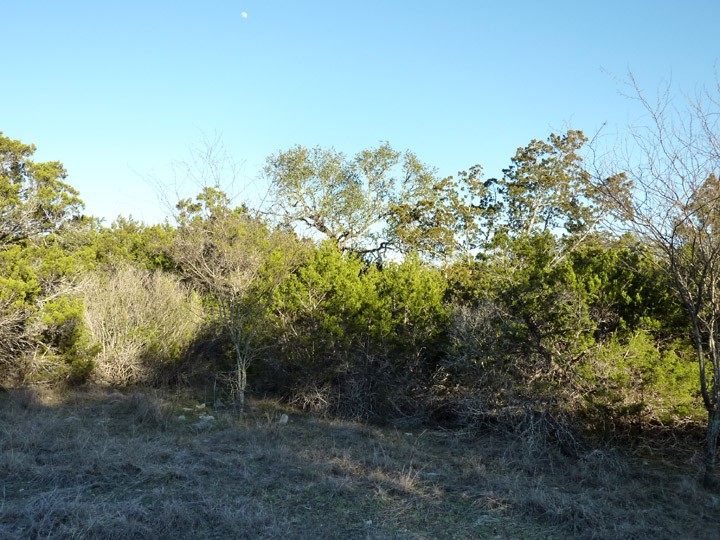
[119, 91]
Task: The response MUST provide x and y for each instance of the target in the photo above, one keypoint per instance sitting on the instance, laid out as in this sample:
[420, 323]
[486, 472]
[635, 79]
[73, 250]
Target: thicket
[462, 301]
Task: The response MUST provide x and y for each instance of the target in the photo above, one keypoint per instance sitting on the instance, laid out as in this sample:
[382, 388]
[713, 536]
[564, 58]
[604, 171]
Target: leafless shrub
[473, 329]
[37, 366]
[13, 337]
[488, 375]
[480, 358]
[314, 399]
[361, 386]
[538, 436]
[142, 321]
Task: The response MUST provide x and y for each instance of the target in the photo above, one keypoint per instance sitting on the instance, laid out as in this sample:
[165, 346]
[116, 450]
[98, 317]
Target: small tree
[238, 261]
[673, 204]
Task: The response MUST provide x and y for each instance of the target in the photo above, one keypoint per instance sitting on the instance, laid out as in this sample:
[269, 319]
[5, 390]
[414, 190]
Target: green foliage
[34, 200]
[342, 199]
[545, 326]
[320, 305]
[549, 299]
[41, 333]
[496, 293]
[527, 323]
[39, 310]
[410, 311]
[379, 200]
[129, 241]
[627, 289]
[547, 293]
[635, 381]
[446, 218]
[236, 260]
[546, 187]
[367, 335]
[69, 337]
[18, 280]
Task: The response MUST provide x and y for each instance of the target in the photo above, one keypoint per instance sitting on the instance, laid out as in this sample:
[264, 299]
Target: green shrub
[360, 339]
[634, 382]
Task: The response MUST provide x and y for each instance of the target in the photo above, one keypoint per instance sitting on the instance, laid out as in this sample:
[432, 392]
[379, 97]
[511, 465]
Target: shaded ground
[110, 465]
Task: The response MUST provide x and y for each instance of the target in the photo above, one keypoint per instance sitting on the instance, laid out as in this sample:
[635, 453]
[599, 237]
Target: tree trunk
[242, 385]
[241, 364]
[711, 479]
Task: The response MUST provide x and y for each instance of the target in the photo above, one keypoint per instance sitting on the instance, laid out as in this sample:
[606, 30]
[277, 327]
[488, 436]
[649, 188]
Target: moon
[244, 15]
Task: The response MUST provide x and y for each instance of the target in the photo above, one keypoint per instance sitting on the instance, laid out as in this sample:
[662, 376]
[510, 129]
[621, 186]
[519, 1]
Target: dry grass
[111, 465]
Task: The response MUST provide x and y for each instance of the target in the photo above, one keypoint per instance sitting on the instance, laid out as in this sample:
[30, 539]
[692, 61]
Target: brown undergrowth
[105, 464]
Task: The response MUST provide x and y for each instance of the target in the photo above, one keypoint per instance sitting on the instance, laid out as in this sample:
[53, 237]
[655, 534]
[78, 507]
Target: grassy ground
[112, 465]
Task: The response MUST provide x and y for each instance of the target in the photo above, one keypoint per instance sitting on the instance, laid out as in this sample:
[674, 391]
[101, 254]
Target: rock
[204, 422]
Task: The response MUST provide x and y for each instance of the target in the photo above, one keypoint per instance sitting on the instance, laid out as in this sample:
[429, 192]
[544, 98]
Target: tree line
[575, 289]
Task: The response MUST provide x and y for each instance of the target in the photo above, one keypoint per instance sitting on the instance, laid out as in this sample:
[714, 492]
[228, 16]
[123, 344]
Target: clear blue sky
[118, 90]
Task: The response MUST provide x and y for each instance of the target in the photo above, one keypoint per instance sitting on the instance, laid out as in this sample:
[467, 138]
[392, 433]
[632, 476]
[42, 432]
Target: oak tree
[379, 200]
